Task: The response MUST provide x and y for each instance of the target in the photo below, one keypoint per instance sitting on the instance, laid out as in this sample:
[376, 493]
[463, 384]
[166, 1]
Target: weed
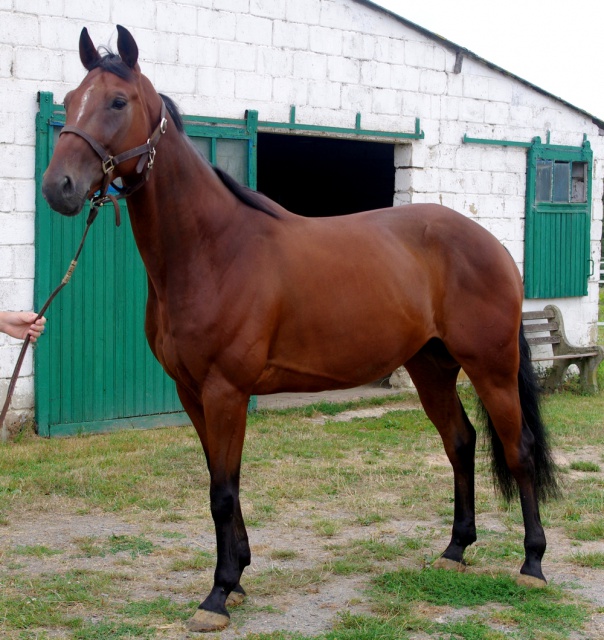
[112, 631]
[594, 559]
[327, 528]
[134, 545]
[369, 519]
[38, 551]
[582, 465]
[198, 561]
[31, 601]
[161, 608]
[587, 531]
[173, 535]
[284, 554]
[531, 610]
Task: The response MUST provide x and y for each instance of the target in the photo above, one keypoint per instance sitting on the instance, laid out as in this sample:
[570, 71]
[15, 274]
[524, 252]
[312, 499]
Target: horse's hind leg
[434, 373]
[515, 458]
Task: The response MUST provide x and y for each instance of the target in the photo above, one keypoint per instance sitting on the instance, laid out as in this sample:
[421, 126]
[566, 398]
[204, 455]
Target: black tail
[546, 482]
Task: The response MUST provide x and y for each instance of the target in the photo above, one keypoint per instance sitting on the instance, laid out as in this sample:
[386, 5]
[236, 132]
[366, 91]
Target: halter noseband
[109, 163]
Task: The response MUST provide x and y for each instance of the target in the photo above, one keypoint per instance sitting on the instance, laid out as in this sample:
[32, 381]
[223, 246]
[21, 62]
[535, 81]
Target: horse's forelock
[111, 62]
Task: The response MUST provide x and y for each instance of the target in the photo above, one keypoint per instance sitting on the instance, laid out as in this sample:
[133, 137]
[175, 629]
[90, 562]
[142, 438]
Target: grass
[529, 613]
[37, 550]
[132, 546]
[588, 467]
[368, 500]
[594, 559]
[587, 531]
[48, 599]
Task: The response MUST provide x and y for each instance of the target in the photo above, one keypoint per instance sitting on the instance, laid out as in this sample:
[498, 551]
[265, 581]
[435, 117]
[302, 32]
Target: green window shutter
[558, 218]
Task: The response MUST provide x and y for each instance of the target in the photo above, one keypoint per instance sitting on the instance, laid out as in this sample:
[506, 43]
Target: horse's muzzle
[63, 193]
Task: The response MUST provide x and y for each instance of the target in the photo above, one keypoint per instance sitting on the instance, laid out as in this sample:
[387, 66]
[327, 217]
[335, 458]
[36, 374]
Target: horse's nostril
[68, 186]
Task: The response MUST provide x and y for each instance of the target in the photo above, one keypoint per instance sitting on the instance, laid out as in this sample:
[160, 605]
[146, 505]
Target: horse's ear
[126, 46]
[88, 53]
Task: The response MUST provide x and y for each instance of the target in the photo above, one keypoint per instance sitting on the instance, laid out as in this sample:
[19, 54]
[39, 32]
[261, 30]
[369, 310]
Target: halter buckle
[108, 165]
[163, 125]
[151, 157]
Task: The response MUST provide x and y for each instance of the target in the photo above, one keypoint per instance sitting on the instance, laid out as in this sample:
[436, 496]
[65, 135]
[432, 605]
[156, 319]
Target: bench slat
[568, 356]
[537, 315]
[544, 340]
[539, 328]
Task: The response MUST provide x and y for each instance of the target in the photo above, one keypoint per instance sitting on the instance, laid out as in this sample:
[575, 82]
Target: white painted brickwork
[331, 58]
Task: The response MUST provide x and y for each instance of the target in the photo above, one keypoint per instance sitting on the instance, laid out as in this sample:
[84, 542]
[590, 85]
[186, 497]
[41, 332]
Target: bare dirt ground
[285, 400]
[307, 609]
[290, 604]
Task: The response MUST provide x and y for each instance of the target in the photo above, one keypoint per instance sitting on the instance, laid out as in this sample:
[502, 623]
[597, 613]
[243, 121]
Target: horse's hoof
[530, 581]
[207, 621]
[449, 565]
[235, 598]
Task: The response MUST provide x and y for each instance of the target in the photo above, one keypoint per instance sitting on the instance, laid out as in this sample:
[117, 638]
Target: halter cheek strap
[109, 163]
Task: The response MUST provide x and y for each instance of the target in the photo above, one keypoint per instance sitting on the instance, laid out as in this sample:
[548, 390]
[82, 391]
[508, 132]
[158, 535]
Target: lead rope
[94, 210]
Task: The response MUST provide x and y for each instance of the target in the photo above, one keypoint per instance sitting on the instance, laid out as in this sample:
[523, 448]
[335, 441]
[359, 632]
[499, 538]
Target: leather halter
[109, 163]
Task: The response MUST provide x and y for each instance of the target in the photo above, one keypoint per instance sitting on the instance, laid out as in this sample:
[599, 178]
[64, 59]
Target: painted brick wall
[331, 58]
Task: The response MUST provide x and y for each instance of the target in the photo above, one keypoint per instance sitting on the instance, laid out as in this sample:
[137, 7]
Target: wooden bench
[547, 327]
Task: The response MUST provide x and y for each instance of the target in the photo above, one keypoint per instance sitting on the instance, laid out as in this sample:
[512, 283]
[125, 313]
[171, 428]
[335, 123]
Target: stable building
[333, 101]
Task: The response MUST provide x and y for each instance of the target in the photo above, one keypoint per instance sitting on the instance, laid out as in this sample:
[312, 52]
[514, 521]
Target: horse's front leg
[220, 423]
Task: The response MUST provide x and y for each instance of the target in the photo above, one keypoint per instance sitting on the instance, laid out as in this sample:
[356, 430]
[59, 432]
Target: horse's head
[111, 113]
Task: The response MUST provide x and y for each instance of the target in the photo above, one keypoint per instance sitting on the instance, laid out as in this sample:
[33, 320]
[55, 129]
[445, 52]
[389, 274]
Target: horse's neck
[181, 212]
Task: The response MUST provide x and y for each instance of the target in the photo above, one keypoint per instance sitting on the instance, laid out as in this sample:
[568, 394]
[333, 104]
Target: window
[560, 181]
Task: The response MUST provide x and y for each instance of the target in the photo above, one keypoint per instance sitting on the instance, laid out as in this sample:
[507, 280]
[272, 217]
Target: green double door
[94, 370]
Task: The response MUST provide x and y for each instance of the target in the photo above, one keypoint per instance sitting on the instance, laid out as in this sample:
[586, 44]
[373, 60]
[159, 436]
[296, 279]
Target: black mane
[245, 194]
[112, 63]
[174, 112]
[248, 196]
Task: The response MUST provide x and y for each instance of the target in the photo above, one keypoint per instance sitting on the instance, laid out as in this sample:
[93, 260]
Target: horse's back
[424, 247]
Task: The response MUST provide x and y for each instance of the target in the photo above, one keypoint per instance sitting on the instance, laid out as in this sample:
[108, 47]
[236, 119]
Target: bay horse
[247, 298]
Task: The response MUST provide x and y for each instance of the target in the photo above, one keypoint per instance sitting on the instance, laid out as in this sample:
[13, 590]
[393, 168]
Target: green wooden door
[94, 369]
[558, 220]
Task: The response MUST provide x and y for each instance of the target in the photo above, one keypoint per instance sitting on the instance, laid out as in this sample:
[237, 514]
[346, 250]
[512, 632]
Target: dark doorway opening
[319, 177]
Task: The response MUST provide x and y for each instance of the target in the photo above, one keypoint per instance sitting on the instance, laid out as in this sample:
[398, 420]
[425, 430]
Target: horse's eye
[118, 104]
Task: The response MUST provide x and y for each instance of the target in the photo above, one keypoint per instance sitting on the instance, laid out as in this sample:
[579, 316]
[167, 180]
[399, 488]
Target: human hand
[20, 324]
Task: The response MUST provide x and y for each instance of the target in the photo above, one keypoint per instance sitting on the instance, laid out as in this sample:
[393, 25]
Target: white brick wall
[330, 58]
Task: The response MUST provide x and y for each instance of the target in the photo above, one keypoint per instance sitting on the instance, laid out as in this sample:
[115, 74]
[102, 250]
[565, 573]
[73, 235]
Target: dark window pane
[543, 188]
[561, 182]
[578, 182]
